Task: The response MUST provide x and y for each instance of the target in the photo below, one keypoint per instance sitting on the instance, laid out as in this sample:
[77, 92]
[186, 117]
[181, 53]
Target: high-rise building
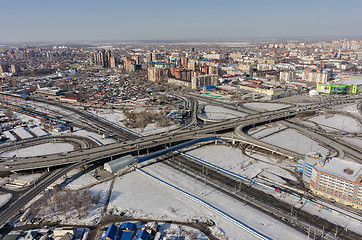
[100, 58]
[2, 68]
[287, 76]
[184, 61]
[14, 68]
[158, 74]
[201, 81]
[154, 57]
[316, 76]
[112, 62]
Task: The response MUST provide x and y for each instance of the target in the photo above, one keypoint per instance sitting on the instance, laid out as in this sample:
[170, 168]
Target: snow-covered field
[353, 140]
[265, 106]
[18, 181]
[234, 160]
[292, 140]
[94, 136]
[94, 213]
[216, 112]
[4, 198]
[265, 130]
[141, 197]
[231, 159]
[27, 118]
[116, 116]
[80, 182]
[39, 150]
[351, 108]
[26, 177]
[337, 122]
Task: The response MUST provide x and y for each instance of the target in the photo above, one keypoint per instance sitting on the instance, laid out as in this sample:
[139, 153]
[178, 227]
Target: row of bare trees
[141, 119]
[67, 203]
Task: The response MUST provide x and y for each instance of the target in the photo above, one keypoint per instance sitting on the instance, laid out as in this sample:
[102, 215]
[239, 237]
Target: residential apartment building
[316, 75]
[339, 180]
[201, 81]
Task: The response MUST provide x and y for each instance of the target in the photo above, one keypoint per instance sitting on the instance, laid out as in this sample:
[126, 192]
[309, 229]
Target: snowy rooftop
[342, 168]
[21, 132]
[38, 131]
[352, 80]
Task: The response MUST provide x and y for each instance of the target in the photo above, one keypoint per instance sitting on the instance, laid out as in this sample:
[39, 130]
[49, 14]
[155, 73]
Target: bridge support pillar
[233, 142]
[148, 152]
[215, 142]
[48, 169]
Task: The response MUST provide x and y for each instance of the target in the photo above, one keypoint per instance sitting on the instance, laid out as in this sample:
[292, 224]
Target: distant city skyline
[111, 20]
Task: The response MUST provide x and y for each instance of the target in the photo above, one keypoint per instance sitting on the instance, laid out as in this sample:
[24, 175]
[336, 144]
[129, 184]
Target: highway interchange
[144, 144]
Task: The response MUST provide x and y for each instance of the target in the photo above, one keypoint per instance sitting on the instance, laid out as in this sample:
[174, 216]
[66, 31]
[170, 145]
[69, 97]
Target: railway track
[260, 200]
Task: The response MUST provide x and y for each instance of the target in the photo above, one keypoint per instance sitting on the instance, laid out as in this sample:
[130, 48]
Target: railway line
[147, 142]
[136, 144]
[266, 203]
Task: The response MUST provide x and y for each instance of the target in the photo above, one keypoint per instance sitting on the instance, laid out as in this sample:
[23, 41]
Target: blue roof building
[111, 232]
[144, 235]
[128, 226]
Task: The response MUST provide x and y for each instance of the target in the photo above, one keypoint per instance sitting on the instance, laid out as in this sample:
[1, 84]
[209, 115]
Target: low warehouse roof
[119, 163]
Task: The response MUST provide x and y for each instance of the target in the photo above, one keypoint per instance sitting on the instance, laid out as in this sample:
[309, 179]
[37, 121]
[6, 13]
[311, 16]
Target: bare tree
[9, 113]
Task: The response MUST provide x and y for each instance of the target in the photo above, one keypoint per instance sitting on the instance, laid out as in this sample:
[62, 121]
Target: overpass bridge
[157, 141]
[135, 146]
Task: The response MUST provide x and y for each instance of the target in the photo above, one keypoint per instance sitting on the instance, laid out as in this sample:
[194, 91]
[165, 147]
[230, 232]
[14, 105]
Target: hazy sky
[61, 20]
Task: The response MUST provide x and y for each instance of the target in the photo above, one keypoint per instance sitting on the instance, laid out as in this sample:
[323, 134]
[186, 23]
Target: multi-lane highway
[158, 140]
[136, 144]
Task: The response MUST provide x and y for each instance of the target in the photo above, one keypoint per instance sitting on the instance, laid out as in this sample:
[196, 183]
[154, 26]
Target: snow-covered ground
[27, 118]
[94, 136]
[293, 140]
[265, 106]
[265, 130]
[145, 198]
[335, 122]
[152, 129]
[18, 181]
[351, 108]
[80, 182]
[26, 177]
[233, 159]
[40, 150]
[313, 209]
[216, 112]
[4, 198]
[353, 140]
[94, 213]
[116, 116]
